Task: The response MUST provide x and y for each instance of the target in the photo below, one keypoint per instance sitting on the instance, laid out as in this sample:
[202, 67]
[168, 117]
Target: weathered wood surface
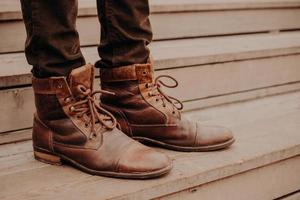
[15, 136]
[15, 71]
[23, 135]
[240, 96]
[10, 9]
[172, 25]
[268, 182]
[292, 196]
[196, 83]
[259, 143]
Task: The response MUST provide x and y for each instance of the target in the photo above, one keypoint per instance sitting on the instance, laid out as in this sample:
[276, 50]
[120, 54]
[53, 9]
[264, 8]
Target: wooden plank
[190, 169]
[259, 184]
[180, 25]
[292, 196]
[252, 111]
[240, 96]
[21, 100]
[249, 112]
[8, 150]
[204, 5]
[175, 25]
[15, 136]
[15, 71]
[203, 81]
[10, 9]
[206, 81]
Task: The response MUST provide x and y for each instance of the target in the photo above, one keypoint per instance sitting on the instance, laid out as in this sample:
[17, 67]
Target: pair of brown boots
[100, 138]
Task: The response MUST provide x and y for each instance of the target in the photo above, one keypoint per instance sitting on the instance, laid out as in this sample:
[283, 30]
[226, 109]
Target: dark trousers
[52, 45]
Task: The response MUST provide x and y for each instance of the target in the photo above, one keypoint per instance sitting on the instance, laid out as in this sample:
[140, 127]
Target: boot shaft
[52, 94]
[137, 95]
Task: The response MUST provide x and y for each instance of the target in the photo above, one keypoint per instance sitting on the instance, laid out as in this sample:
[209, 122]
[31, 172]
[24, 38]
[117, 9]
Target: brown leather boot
[147, 114]
[69, 125]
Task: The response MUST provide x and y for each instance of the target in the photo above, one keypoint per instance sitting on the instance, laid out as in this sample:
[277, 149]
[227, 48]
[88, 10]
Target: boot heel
[47, 158]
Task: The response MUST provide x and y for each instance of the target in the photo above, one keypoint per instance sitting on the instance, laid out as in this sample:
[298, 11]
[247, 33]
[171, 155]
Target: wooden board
[268, 182]
[10, 9]
[15, 71]
[196, 83]
[15, 136]
[175, 25]
[206, 81]
[240, 96]
[292, 196]
[253, 129]
[23, 135]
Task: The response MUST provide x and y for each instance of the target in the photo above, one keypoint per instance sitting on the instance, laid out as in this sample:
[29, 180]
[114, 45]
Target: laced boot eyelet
[86, 125]
[93, 136]
[72, 109]
[67, 100]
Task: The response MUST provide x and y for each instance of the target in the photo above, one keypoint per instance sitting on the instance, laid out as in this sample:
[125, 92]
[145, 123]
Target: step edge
[16, 80]
[157, 7]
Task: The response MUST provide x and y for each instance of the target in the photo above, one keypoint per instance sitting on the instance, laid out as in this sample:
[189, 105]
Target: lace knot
[87, 105]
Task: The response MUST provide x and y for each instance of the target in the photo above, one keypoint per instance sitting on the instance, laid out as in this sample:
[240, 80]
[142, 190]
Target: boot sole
[45, 156]
[185, 149]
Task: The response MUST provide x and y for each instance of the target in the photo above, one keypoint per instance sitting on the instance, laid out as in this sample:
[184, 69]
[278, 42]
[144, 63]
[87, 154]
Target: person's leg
[52, 45]
[69, 124]
[142, 109]
[125, 32]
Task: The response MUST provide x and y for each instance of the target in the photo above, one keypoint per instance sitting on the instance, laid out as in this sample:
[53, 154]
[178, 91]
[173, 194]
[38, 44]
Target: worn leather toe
[212, 135]
[138, 159]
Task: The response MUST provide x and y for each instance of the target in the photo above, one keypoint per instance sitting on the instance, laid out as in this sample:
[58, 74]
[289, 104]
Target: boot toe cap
[139, 159]
[213, 135]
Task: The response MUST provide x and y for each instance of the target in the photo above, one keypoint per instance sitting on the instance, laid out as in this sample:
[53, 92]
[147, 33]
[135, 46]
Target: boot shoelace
[88, 106]
[160, 95]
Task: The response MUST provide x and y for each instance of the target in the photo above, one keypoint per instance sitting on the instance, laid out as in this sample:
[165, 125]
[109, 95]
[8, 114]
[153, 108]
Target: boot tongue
[83, 76]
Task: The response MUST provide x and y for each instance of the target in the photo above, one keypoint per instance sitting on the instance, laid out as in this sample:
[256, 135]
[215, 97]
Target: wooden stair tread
[10, 9]
[15, 71]
[259, 143]
[176, 19]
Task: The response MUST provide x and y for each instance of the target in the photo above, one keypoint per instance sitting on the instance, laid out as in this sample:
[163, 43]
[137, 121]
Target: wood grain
[253, 130]
[175, 25]
[15, 71]
[203, 82]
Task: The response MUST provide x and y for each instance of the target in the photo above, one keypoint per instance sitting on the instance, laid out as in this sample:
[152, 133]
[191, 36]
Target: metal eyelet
[72, 109]
[144, 73]
[67, 99]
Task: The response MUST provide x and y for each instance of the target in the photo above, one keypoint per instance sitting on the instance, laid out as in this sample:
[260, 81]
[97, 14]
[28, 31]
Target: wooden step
[292, 196]
[244, 67]
[172, 19]
[15, 71]
[10, 9]
[263, 154]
